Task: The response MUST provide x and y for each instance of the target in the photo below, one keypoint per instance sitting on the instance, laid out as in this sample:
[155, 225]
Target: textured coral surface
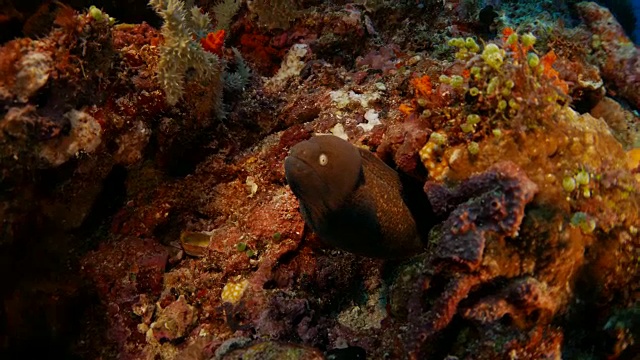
[139, 226]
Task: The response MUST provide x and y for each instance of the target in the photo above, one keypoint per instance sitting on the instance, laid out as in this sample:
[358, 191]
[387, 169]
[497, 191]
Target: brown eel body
[351, 199]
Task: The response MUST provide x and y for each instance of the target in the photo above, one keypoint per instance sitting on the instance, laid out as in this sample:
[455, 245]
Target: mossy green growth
[457, 81]
[471, 45]
[533, 60]
[438, 138]
[462, 54]
[493, 56]
[473, 119]
[528, 39]
[584, 222]
[569, 184]
[502, 104]
[473, 148]
[492, 87]
[96, 13]
[466, 128]
[582, 177]
[474, 91]
[457, 42]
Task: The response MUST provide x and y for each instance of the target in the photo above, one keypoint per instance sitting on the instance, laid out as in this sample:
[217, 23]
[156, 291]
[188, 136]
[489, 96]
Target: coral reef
[617, 55]
[145, 212]
[506, 191]
[180, 51]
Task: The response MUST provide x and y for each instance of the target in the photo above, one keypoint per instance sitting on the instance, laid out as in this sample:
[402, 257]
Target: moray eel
[351, 199]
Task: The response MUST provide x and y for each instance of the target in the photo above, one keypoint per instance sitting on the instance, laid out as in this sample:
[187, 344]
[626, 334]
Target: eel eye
[323, 159]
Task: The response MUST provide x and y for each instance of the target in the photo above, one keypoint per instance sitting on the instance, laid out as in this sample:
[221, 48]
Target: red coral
[547, 62]
[258, 49]
[506, 32]
[213, 42]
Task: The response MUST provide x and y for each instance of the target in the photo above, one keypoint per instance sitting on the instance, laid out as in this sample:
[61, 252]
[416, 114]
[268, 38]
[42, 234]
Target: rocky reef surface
[144, 211]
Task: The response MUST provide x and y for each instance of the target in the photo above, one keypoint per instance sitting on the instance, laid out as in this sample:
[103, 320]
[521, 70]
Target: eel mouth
[296, 165]
[295, 170]
[303, 179]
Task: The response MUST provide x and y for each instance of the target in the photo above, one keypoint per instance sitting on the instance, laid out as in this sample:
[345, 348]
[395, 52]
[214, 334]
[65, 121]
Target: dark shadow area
[110, 199]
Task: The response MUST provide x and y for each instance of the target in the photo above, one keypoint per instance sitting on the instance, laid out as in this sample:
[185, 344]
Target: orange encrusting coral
[546, 62]
[213, 42]
[422, 85]
[517, 48]
[633, 161]
[406, 109]
[423, 89]
[506, 32]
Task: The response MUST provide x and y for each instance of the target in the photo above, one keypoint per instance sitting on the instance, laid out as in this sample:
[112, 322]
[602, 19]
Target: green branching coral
[225, 11]
[237, 81]
[180, 51]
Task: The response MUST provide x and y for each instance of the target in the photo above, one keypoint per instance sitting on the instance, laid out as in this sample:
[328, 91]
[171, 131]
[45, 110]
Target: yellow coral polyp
[471, 44]
[457, 81]
[457, 42]
[633, 161]
[528, 39]
[493, 56]
[533, 60]
[406, 109]
[233, 291]
[633, 158]
[96, 13]
[422, 85]
[431, 156]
